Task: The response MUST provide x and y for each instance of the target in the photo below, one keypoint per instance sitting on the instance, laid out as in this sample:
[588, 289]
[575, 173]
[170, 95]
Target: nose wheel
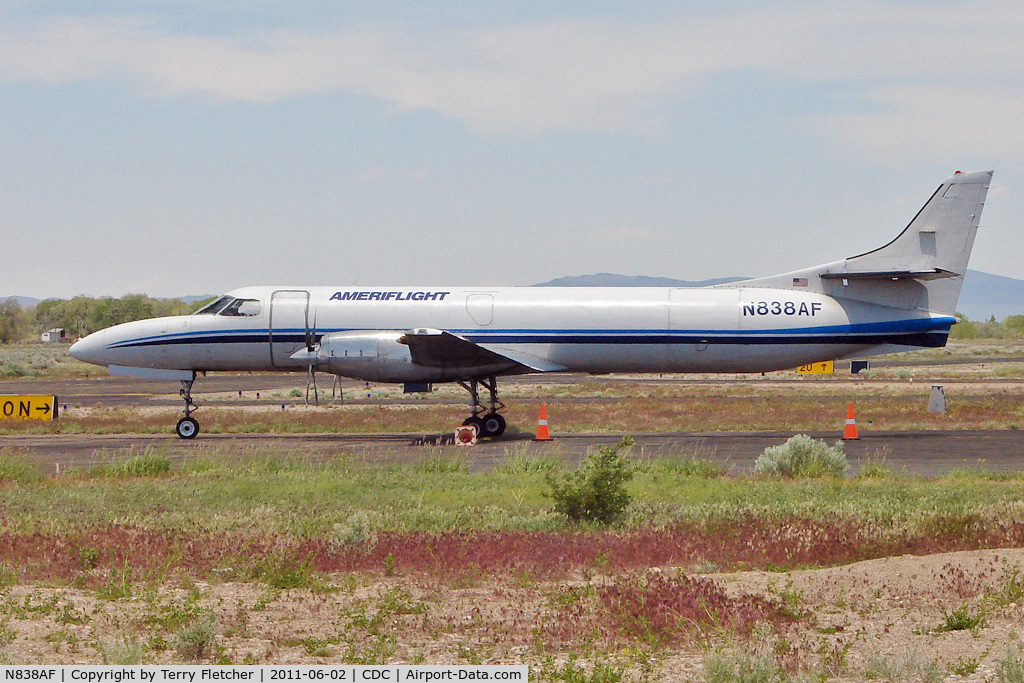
[187, 426]
[488, 422]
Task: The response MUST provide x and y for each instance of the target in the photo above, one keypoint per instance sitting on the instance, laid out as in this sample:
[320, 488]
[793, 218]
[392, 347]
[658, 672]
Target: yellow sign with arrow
[28, 407]
[822, 368]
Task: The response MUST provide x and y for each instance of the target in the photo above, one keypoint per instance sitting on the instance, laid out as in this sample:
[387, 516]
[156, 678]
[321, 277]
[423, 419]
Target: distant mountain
[984, 295]
[23, 301]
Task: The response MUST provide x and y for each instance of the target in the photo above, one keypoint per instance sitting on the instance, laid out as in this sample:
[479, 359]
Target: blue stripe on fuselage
[915, 332]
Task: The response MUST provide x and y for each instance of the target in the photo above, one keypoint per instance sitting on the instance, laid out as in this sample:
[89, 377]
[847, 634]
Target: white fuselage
[593, 330]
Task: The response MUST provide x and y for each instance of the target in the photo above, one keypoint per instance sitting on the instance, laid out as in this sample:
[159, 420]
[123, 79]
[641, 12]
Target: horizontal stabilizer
[932, 274]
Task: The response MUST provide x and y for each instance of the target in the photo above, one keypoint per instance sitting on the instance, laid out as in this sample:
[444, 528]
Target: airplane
[900, 296]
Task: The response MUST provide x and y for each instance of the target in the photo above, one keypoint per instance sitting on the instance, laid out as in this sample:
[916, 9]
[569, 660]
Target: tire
[475, 420]
[493, 425]
[186, 428]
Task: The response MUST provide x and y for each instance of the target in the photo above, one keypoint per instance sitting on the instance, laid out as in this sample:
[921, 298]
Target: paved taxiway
[925, 453]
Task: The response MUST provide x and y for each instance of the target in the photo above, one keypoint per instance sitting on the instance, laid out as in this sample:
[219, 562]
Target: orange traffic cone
[542, 426]
[850, 430]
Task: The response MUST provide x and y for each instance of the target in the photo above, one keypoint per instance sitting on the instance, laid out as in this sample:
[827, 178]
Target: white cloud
[570, 73]
[935, 123]
[575, 73]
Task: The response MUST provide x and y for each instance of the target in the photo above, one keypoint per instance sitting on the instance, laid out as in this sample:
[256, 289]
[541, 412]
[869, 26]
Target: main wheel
[494, 425]
[475, 420]
[187, 427]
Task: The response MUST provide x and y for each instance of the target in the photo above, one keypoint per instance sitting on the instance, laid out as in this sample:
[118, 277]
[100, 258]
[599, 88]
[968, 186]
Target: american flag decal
[799, 282]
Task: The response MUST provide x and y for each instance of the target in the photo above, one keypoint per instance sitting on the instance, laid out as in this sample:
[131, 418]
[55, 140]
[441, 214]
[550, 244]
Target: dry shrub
[804, 457]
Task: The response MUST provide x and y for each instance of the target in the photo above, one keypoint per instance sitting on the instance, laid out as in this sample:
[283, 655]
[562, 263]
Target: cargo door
[704, 323]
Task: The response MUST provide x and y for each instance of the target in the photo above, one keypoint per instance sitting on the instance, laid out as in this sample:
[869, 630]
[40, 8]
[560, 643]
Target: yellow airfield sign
[28, 407]
[822, 368]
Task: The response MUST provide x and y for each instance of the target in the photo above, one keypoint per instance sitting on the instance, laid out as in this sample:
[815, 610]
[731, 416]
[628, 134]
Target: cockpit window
[214, 307]
[243, 307]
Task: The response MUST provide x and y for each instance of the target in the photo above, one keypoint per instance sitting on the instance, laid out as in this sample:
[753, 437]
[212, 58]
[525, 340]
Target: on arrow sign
[28, 407]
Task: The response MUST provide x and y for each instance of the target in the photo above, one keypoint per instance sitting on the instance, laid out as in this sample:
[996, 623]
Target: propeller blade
[311, 336]
[311, 382]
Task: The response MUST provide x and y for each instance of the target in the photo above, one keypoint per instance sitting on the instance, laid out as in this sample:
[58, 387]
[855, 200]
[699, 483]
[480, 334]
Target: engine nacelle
[371, 355]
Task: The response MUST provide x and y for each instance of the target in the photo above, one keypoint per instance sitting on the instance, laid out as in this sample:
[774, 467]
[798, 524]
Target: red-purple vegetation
[658, 609]
[742, 542]
[662, 609]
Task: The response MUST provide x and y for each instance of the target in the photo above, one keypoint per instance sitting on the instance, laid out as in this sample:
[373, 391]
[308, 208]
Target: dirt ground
[880, 619]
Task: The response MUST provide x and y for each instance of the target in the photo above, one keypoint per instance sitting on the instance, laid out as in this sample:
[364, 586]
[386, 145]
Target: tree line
[1011, 327]
[82, 315]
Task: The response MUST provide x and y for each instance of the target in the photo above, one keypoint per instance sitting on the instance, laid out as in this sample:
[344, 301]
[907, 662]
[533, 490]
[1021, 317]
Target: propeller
[311, 350]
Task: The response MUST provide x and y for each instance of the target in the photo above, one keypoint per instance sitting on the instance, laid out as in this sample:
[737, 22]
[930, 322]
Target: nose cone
[91, 349]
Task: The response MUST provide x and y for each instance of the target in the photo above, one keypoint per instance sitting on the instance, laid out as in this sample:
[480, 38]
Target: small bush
[961, 619]
[802, 457]
[571, 672]
[1010, 669]
[126, 652]
[907, 666]
[12, 370]
[742, 666]
[194, 641]
[596, 492]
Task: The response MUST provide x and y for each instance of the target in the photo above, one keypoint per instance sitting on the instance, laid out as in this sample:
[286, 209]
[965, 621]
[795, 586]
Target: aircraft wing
[439, 349]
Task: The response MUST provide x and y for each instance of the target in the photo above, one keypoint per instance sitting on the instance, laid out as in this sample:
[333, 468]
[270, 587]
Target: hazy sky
[190, 147]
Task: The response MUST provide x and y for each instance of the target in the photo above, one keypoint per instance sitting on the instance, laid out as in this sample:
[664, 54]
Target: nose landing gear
[187, 426]
[488, 422]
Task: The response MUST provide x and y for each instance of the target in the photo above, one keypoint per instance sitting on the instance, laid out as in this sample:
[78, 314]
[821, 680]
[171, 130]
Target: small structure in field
[57, 335]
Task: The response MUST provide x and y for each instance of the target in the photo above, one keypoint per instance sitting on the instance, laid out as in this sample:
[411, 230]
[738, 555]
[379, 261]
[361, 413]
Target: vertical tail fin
[929, 258]
[923, 268]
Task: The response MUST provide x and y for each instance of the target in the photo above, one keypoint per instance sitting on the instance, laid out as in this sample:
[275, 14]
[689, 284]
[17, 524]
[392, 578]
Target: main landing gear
[187, 426]
[491, 423]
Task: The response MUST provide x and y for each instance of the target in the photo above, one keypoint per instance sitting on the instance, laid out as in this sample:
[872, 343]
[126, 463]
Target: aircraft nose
[91, 349]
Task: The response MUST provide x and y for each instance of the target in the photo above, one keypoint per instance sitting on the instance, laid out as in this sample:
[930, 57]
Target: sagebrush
[802, 456]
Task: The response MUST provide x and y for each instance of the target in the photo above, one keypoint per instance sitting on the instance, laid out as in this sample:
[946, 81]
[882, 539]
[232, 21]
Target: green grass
[304, 499]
